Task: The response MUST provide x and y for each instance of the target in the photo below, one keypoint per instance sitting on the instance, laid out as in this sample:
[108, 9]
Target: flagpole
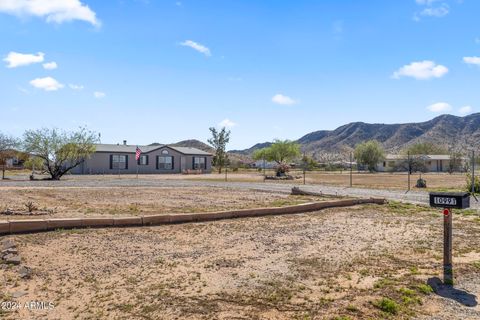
[137, 158]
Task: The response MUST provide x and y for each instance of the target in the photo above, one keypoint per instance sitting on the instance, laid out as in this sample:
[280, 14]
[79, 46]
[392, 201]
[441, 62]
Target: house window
[143, 160]
[165, 163]
[199, 163]
[384, 164]
[119, 162]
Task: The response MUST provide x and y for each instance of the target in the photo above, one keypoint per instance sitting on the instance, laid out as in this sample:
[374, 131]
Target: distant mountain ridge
[193, 143]
[445, 130]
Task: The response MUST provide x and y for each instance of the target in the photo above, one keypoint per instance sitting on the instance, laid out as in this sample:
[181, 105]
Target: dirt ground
[397, 181]
[435, 181]
[120, 201]
[364, 262]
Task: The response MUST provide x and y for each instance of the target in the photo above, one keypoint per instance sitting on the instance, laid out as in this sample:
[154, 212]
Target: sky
[163, 71]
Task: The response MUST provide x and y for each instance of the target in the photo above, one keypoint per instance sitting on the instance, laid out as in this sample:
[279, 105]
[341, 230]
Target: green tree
[60, 151]
[424, 148]
[369, 153]
[308, 163]
[281, 152]
[7, 146]
[219, 142]
[455, 163]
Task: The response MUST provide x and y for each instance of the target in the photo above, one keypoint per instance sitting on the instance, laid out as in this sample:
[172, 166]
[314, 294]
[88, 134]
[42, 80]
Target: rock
[12, 258]
[9, 250]
[7, 212]
[25, 272]
[18, 294]
[8, 244]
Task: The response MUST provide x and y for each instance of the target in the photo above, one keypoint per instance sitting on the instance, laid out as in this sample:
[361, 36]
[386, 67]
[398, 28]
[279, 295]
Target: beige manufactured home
[120, 159]
[431, 163]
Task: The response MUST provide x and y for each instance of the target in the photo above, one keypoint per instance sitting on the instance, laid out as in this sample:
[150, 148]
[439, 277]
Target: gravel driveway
[417, 197]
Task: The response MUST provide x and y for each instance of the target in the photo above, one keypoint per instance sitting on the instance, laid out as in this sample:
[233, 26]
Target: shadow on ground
[449, 292]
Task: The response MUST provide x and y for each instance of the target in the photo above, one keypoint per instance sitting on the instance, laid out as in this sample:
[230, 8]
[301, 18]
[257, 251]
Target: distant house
[260, 164]
[432, 163]
[12, 159]
[120, 159]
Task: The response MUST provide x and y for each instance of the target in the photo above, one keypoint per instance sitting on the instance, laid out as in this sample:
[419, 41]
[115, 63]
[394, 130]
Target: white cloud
[425, 2]
[465, 110]
[437, 12]
[50, 65]
[227, 123]
[47, 84]
[282, 99]
[472, 60]
[439, 107]
[76, 87]
[431, 9]
[56, 11]
[421, 70]
[196, 46]
[15, 59]
[99, 94]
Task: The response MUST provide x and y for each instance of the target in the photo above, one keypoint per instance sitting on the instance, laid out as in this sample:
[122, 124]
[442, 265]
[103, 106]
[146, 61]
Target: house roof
[147, 149]
[425, 156]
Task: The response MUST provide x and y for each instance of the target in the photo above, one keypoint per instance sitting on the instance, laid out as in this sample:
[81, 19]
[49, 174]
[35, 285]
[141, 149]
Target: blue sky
[164, 71]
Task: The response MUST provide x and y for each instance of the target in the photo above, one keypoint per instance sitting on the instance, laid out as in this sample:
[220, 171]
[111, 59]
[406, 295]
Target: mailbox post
[448, 201]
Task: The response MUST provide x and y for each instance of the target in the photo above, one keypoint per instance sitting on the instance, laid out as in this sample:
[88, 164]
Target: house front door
[182, 164]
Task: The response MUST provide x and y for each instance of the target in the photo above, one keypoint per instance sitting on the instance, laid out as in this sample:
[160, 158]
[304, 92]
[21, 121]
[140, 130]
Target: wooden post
[304, 167]
[351, 168]
[473, 172]
[264, 172]
[447, 247]
[409, 169]
[226, 171]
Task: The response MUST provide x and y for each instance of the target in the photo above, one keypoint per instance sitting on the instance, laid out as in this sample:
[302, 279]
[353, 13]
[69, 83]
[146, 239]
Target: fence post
[409, 169]
[351, 169]
[473, 172]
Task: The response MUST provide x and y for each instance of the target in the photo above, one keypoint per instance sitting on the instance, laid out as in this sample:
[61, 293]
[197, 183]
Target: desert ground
[378, 180]
[54, 202]
[362, 262]
[435, 181]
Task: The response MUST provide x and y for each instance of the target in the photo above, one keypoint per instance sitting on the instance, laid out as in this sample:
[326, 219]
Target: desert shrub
[425, 288]
[421, 183]
[469, 183]
[388, 305]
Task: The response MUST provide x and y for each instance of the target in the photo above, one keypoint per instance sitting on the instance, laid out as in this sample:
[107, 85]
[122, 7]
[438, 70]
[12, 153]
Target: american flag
[137, 153]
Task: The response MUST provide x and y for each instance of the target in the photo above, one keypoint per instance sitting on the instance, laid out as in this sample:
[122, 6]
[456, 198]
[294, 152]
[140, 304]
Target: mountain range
[447, 131]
